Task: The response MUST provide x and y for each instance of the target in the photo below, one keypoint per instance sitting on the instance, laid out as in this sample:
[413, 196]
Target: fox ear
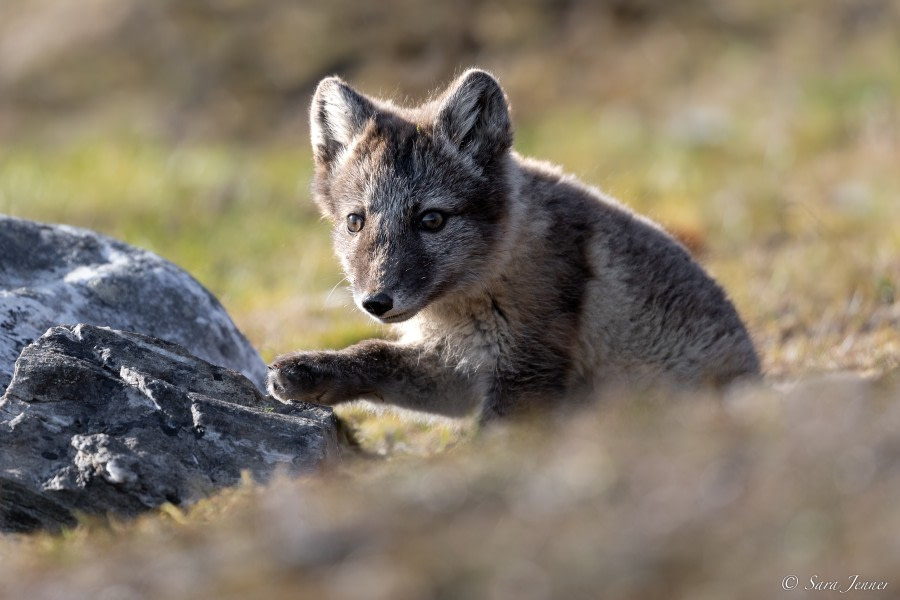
[337, 115]
[474, 116]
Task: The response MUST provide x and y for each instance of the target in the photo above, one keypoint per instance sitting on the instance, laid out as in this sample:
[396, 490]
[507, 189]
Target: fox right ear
[337, 115]
[474, 116]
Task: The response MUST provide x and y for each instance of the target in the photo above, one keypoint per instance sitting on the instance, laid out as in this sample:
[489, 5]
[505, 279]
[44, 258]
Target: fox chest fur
[512, 284]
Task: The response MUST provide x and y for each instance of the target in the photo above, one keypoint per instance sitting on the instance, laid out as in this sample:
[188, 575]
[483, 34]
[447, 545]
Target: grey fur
[537, 290]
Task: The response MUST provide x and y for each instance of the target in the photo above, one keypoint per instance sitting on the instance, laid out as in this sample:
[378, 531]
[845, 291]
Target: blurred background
[765, 134]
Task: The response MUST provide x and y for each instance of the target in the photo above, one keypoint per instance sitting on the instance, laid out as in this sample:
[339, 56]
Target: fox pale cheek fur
[513, 285]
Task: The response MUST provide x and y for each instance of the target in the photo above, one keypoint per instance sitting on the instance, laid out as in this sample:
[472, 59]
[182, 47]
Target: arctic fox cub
[512, 284]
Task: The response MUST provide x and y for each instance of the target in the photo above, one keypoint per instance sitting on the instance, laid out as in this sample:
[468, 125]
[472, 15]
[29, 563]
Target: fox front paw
[305, 376]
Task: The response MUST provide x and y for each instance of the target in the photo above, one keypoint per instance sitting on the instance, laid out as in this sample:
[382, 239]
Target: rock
[55, 274]
[99, 420]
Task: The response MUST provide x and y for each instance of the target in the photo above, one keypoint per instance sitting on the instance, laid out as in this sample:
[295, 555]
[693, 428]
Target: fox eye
[354, 222]
[431, 221]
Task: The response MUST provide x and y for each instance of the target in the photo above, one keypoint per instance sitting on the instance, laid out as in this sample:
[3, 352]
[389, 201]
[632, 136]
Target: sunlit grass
[798, 223]
[808, 250]
[239, 219]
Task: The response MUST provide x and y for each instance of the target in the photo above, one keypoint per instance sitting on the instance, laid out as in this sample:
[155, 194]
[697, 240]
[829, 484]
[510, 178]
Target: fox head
[419, 197]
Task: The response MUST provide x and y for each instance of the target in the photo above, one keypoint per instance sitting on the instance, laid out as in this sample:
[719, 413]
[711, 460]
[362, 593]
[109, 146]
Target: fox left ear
[474, 116]
[337, 115]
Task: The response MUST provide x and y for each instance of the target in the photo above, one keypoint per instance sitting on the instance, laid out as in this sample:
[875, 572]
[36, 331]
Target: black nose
[378, 304]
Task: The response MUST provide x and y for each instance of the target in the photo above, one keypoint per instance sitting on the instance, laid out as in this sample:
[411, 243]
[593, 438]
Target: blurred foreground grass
[772, 150]
[643, 497]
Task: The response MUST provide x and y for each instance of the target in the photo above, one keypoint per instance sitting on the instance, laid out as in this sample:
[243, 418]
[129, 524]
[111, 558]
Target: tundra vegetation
[764, 134]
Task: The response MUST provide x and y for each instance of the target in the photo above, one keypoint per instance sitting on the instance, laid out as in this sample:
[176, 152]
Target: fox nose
[378, 304]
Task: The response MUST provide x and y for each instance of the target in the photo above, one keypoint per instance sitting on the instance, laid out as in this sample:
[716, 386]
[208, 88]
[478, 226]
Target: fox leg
[533, 384]
[377, 370]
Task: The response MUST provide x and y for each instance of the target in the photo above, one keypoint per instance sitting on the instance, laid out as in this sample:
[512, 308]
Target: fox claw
[299, 378]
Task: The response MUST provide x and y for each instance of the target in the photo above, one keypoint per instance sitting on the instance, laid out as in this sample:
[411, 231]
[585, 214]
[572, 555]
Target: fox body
[513, 285]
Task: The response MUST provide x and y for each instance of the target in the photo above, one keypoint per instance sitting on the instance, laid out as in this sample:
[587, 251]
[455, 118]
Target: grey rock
[56, 274]
[99, 420]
